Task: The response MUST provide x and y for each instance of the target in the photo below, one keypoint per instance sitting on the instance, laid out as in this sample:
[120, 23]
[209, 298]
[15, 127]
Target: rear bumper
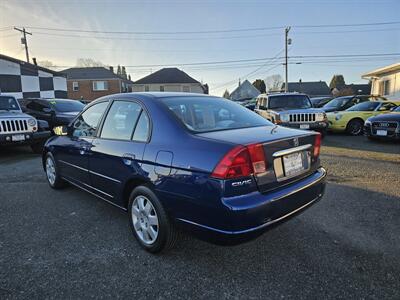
[30, 138]
[252, 214]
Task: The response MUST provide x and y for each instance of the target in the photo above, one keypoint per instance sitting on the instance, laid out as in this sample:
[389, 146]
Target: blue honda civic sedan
[187, 161]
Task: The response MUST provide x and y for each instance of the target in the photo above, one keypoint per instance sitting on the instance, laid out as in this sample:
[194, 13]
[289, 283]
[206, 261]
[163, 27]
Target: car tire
[52, 173]
[149, 221]
[355, 127]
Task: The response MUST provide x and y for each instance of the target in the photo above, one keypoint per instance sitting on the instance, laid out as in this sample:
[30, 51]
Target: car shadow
[341, 140]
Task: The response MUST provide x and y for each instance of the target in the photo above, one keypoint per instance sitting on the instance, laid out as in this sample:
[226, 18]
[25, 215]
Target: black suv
[57, 112]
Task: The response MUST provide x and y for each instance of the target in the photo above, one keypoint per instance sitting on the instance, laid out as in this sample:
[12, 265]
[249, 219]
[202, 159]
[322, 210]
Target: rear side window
[87, 123]
[142, 129]
[202, 114]
[121, 120]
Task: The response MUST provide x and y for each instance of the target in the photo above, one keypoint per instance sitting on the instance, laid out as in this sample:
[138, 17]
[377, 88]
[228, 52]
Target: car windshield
[66, 105]
[289, 102]
[365, 106]
[337, 102]
[8, 103]
[204, 114]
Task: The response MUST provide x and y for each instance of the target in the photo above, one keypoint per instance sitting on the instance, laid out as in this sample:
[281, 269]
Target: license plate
[293, 163]
[304, 126]
[381, 132]
[18, 137]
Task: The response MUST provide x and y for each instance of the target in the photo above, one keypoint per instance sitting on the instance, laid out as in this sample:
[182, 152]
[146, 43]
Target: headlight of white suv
[31, 122]
[338, 117]
[320, 117]
[284, 118]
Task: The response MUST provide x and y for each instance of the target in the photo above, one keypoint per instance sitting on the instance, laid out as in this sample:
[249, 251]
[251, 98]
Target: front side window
[36, 105]
[386, 106]
[8, 103]
[86, 124]
[364, 106]
[100, 85]
[289, 102]
[121, 120]
[202, 114]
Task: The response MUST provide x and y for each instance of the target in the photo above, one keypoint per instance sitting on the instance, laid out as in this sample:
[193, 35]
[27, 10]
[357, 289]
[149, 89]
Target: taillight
[241, 161]
[317, 145]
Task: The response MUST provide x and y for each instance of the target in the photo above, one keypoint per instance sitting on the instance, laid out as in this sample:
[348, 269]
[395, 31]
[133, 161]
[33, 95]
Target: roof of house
[29, 65]
[244, 91]
[167, 75]
[312, 88]
[360, 88]
[91, 73]
[383, 70]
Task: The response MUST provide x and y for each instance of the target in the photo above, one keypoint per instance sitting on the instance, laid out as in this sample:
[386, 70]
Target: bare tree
[46, 64]
[274, 82]
[88, 62]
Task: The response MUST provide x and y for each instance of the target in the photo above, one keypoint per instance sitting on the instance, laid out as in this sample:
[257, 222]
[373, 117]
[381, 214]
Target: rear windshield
[338, 102]
[365, 106]
[8, 103]
[289, 102]
[67, 105]
[204, 114]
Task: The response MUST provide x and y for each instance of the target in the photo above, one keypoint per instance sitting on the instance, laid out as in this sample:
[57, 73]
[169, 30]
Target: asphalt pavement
[69, 244]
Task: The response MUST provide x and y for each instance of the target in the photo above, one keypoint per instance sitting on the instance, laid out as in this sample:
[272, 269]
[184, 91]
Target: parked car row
[342, 114]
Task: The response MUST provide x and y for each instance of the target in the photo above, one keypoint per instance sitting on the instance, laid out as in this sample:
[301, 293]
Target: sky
[258, 33]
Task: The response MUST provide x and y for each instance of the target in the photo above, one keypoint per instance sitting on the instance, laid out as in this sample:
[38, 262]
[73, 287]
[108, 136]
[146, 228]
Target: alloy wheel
[145, 220]
[50, 171]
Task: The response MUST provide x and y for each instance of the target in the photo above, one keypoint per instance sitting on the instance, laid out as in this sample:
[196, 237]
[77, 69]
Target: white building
[169, 80]
[385, 81]
[24, 80]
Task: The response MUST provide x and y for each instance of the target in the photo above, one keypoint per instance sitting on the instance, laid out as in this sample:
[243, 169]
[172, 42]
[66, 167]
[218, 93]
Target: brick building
[94, 82]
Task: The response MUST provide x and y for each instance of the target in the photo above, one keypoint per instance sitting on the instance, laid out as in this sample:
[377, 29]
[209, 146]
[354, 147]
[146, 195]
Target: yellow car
[352, 120]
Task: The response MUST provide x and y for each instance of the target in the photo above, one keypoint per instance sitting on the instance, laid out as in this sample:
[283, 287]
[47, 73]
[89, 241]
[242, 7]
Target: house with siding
[244, 91]
[169, 80]
[385, 81]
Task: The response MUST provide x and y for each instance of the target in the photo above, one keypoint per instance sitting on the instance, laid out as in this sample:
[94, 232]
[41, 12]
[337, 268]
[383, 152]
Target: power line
[211, 31]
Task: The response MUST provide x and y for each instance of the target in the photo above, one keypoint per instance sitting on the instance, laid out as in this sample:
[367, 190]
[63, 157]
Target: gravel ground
[68, 244]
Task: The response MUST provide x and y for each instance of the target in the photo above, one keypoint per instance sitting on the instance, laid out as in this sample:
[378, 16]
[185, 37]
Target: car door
[118, 149]
[74, 149]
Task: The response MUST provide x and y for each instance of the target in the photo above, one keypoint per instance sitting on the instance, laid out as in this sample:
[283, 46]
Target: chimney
[300, 80]
[112, 69]
[34, 61]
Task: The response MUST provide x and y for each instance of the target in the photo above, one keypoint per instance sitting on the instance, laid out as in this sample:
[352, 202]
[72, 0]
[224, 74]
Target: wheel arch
[130, 185]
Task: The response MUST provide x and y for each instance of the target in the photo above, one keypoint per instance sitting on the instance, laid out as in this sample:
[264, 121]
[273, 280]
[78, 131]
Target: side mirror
[61, 130]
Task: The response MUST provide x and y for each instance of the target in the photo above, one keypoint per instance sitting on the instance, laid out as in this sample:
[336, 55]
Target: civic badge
[295, 142]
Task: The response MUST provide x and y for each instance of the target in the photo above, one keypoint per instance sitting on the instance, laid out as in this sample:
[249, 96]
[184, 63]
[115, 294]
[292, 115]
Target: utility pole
[287, 43]
[24, 41]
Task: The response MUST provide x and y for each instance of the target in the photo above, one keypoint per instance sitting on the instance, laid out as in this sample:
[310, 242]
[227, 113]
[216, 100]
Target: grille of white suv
[302, 117]
[13, 125]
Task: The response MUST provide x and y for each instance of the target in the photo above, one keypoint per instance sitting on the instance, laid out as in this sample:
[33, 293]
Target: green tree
[259, 84]
[226, 94]
[337, 82]
[123, 72]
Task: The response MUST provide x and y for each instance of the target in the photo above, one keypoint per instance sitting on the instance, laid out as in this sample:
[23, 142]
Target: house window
[384, 87]
[186, 89]
[100, 85]
[75, 86]
[161, 88]
[146, 88]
